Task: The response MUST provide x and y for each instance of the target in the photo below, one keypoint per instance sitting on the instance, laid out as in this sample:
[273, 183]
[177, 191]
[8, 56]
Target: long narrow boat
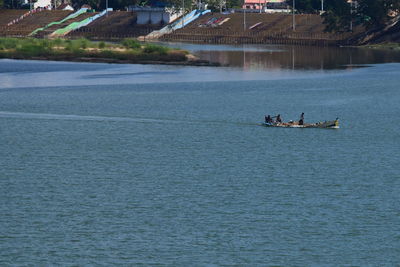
[323, 124]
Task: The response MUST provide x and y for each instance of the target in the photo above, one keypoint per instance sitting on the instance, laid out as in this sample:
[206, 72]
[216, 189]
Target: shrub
[58, 42]
[8, 43]
[150, 48]
[131, 43]
[106, 54]
[102, 45]
[176, 55]
[45, 43]
[73, 46]
[32, 50]
[83, 43]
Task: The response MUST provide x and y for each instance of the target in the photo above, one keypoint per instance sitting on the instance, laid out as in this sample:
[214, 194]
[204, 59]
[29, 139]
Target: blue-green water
[148, 165]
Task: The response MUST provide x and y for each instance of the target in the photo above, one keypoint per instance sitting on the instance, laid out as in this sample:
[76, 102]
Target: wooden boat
[295, 124]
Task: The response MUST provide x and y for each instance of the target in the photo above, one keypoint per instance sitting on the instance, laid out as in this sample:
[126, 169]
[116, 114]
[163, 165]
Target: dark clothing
[278, 118]
[301, 121]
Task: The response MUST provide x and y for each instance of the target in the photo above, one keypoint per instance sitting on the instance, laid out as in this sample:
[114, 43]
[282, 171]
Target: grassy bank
[390, 46]
[127, 51]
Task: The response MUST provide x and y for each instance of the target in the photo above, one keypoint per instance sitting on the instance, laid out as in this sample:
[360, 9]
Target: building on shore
[265, 5]
[48, 4]
[154, 15]
[42, 3]
[65, 6]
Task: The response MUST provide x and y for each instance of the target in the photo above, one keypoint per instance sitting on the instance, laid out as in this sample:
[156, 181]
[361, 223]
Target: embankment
[215, 28]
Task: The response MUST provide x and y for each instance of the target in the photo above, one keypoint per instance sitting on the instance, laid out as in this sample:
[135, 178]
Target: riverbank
[129, 51]
[386, 46]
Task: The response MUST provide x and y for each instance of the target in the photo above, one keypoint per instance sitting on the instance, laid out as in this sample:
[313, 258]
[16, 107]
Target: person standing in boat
[278, 118]
[301, 121]
[268, 119]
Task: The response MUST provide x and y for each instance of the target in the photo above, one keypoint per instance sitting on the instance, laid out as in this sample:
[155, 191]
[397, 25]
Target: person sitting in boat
[278, 118]
[301, 121]
[268, 119]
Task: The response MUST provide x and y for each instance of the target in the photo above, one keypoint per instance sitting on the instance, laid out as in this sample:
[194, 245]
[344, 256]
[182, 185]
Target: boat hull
[325, 124]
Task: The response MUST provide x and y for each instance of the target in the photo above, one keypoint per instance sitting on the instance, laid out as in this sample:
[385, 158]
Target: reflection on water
[290, 57]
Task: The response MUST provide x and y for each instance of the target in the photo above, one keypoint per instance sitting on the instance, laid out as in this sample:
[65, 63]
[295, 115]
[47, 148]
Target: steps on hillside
[78, 24]
[8, 15]
[116, 25]
[55, 27]
[34, 21]
[271, 28]
[176, 25]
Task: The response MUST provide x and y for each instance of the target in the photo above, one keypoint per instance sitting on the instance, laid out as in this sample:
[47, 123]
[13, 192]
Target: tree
[216, 5]
[369, 13]
[376, 12]
[306, 6]
[338, 15]
[79, 3]
[10, 4]
[234, 3]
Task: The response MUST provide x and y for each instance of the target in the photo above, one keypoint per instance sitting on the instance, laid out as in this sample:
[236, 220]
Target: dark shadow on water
[18, 67]
[116, 75]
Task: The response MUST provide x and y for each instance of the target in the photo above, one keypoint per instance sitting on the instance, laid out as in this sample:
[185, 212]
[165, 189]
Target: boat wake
[71, 117]
[49, 116]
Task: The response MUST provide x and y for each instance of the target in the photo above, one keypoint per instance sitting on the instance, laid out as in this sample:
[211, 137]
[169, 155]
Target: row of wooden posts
[237, 39]
[288, 34]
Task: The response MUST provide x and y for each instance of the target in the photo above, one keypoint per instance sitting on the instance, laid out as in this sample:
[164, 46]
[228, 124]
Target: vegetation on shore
[340, 15]
[122, 4]
[390, 46]
[129, 50]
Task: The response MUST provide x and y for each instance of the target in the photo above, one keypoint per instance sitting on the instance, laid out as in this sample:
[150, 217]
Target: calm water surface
[278, 57]
[155, 165]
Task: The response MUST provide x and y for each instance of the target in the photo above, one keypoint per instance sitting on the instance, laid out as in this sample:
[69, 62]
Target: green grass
[155, 49]
[131, 43]
[8, 43]
[391, 46]
[102, 45]
[128, 49]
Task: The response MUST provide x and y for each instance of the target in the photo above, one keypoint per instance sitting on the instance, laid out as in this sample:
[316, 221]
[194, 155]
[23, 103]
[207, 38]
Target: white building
[154, 15]
[42, 3]
[65, 6]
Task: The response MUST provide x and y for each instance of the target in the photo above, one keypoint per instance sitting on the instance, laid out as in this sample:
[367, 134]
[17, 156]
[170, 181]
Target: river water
[104, 164]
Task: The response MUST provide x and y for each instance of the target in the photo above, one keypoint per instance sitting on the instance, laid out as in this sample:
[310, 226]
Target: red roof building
[260, 4]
